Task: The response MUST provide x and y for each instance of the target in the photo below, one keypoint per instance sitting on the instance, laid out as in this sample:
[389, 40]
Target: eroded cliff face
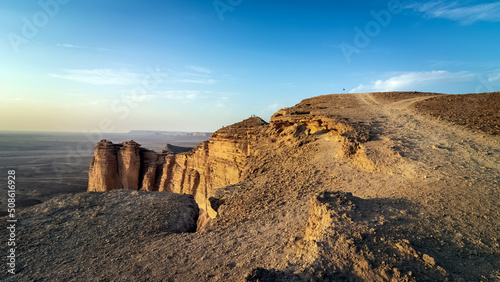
[123, 166]
[215, 163]
[309, 118]
[222, 160]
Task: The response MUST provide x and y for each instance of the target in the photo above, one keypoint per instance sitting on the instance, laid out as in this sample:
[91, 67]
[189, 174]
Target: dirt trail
[431, 142]
[439, 151]
[455, 179]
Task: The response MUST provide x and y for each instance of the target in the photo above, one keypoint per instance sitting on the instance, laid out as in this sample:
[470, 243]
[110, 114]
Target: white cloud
[11, 99]
[184, 95]
[199, 69]
[126, 77]
[413, 81]
[199, 75]
[102, 76]
[198, 81]
[66, 45]
[274, 107]
[494, 77]
[488, 12]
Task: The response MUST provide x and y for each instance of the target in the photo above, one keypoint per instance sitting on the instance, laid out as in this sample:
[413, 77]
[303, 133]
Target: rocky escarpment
[219, 162]
[123, 166]
[302, 118]
[215, 163]
[223, 159]
[169, 148]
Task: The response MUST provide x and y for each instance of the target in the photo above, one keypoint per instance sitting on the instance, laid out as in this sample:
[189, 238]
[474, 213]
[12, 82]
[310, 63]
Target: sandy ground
[419, 202]
[476, 112]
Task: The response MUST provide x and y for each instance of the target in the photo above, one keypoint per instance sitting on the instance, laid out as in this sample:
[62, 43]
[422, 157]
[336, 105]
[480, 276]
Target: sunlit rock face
[215, 163]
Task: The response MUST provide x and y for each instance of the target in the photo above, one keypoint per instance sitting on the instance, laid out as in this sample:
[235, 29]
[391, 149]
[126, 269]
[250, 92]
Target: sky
[198, 65]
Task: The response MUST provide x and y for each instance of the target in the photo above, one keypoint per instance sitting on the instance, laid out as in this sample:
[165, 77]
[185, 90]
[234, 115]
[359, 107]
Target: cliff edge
[214, 164]
[358, 187]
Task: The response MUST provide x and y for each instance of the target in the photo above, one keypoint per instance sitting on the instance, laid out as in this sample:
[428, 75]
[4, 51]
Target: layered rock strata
[215, 163]
[123, 166]
[315, 119]
[219, 162]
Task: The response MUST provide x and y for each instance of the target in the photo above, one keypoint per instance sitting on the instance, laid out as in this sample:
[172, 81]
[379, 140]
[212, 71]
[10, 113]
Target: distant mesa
[169, 148]
[169, 133]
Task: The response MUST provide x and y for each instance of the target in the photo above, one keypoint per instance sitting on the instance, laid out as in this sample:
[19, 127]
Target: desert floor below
[411, 193]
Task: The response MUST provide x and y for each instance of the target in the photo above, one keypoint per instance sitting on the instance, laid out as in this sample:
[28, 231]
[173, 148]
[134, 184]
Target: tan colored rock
[214, 164]
[116, 166]
[129, 165]
[219, 162]
[148, 183]
[103, 173]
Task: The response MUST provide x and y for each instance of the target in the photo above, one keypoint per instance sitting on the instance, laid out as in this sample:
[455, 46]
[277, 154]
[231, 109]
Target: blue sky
[119, 65]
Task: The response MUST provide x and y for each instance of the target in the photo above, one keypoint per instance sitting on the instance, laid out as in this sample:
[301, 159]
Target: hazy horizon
[80, 132]
[116, 66]
[53, 163]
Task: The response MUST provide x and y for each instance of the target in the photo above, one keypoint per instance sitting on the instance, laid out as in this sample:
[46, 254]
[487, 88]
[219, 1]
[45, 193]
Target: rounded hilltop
[241, 127]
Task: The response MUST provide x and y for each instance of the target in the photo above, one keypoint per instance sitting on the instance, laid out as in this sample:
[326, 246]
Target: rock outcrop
[219, 162]
[113, 225]
[169, 148]
[340, 234]
[215, 163]
[123, 166]
[303, 118]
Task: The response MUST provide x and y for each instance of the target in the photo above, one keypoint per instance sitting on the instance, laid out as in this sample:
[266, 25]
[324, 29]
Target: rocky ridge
[337, 188]
[214, 164]
[222, 160]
